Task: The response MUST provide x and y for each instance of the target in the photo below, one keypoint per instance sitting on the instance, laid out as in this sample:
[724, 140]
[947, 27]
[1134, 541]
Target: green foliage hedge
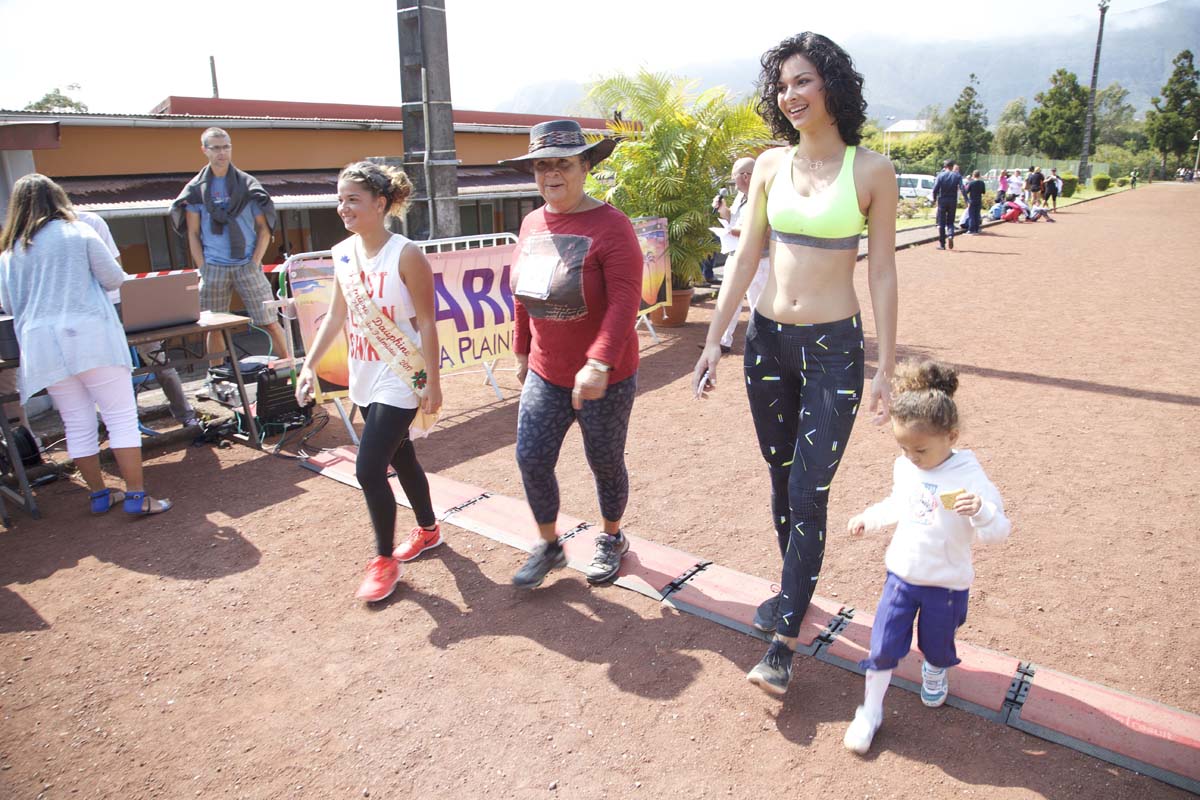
[1122, 181]
[1070, 184]
[1101, 182]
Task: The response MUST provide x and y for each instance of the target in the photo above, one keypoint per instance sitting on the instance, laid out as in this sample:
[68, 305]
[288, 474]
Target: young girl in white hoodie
[941, 504]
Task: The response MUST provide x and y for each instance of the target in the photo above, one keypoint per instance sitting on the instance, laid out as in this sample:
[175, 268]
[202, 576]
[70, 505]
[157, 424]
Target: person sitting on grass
[1013, 211]
[941, 504]
[1037, 212]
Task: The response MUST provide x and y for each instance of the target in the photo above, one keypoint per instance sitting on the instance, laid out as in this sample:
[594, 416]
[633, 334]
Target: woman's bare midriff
[809, 285]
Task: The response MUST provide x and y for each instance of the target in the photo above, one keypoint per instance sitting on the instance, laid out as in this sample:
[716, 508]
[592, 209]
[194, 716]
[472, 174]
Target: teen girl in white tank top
[371, 380]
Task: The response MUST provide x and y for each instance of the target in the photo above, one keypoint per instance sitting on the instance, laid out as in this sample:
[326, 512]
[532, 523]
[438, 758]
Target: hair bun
[914, 376]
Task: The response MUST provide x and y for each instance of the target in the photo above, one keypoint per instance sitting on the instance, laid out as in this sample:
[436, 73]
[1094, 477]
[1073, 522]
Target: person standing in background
[1052, 188]
[974, 191]
[743, 168]
[53, 276]
[946, 190]
[229, 218]
[166, 375]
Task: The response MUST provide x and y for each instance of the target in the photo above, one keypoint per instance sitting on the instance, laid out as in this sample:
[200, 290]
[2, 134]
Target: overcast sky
[127, 55]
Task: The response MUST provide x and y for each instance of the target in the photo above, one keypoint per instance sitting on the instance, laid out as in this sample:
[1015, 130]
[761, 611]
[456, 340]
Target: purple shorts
[938, 612]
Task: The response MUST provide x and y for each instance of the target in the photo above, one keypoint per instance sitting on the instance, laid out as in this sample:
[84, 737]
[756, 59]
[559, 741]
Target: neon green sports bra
[829, 219]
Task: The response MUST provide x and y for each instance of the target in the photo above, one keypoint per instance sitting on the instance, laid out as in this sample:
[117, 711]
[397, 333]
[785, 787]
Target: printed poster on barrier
[311, 281]
[474, 305]
[474, 311]
[656, 263]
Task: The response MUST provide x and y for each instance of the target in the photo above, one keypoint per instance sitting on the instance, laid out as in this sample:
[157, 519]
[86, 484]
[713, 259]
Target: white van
[916, 186]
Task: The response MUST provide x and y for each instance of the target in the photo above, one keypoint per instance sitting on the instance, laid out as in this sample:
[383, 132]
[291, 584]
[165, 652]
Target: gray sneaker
[545, 557]
[766, 618]
[607, 560]
[773, 673]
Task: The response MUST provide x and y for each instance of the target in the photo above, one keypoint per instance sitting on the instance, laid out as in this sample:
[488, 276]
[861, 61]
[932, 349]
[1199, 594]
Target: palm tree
[676, 152]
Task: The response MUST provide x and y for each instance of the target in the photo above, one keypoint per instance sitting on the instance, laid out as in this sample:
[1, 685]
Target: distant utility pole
[1084, 167]
[212, 68]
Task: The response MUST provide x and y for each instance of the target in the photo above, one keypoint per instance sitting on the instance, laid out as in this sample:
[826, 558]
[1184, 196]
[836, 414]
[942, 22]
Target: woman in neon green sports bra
[804, 361]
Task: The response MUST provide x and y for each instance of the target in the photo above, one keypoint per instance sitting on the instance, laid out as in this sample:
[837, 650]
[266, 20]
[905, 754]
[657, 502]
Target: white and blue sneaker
[935, 685]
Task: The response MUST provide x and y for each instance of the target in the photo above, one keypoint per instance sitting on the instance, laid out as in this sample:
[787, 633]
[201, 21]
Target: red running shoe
[383, 574]
[418, 542]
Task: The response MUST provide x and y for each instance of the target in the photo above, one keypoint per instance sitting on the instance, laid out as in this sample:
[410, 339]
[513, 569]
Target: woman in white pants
[53, 275]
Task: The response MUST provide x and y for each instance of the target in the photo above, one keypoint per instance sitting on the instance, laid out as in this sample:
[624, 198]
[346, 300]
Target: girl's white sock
[877, 685]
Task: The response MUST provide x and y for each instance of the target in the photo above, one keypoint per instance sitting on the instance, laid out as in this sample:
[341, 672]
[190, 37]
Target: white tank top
[371, 380]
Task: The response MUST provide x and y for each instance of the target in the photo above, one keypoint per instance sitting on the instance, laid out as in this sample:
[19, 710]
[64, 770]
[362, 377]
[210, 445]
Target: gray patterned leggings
[542, 422]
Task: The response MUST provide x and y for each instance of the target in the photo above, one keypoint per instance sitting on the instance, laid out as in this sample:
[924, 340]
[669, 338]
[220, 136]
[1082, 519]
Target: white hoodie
[932, 544]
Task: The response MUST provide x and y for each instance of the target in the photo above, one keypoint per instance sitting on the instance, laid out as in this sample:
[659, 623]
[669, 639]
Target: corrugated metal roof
[222, 106]
[463, 120]
[307, 189]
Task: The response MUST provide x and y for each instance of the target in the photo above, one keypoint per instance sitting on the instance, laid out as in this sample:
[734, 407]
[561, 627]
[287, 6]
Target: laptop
[160, 301]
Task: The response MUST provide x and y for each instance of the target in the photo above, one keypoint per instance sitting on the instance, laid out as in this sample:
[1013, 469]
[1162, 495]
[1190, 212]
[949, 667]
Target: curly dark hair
[843, 86]
[924, 395]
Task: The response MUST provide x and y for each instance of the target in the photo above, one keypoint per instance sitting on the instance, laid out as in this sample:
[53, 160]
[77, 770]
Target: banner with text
[474, 302]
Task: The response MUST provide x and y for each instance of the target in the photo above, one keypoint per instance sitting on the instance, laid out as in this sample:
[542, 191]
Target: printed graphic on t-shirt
[923, 503]
[218, 192]
[548, 276]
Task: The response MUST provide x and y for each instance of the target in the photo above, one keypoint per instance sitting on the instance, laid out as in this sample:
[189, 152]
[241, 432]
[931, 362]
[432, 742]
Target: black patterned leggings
[542, 422]
[804, 384]
[385, 441]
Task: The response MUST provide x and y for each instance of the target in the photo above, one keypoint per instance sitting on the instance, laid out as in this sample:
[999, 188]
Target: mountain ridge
[901, 78]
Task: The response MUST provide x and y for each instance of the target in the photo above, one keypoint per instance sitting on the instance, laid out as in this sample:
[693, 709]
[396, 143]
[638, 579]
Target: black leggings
[804, 383]
[385, 441]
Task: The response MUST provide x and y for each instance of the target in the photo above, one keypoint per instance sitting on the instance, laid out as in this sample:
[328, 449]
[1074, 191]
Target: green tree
[919, 147]
[1120, 161]
[1056, 124]
[966, 122]
[54, 101]
[1012, 129]
[1114, 122]
[676, 151]
[932, 114]
[872, 136]
[1176, 115]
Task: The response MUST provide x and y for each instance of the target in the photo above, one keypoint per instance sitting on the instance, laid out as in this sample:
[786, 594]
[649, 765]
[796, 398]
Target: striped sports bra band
[838, 243]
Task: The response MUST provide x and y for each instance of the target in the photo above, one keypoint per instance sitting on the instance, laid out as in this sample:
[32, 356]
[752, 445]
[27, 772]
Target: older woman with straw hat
[576, 282]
